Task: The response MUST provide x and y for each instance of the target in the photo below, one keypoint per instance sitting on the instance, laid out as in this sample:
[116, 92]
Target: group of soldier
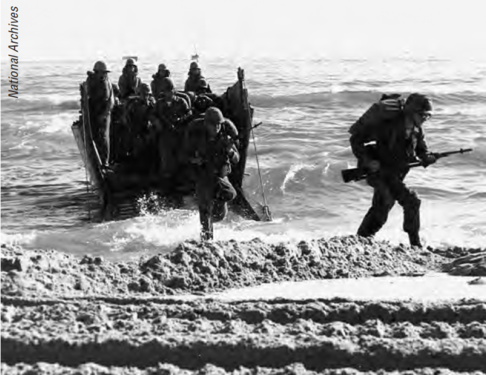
[159, 131]
[384, 140]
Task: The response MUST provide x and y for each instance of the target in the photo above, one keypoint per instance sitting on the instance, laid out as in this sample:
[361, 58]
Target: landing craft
[120, 189]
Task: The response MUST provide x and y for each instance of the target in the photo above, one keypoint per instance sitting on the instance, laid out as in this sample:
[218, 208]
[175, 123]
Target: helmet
[167, 85]
[100, 66]
[162, 67]
[144, 88]
[418, 103]
[194, 65]
[130, 62]
[202, 84]
[213, 116]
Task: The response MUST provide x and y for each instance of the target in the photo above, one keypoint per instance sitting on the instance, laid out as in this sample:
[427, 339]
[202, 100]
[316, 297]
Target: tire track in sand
[318, 334]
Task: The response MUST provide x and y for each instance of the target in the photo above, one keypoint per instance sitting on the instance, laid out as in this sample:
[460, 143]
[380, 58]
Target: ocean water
[306, 107]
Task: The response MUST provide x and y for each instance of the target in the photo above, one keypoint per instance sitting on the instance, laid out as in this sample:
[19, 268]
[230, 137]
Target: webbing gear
[387, 108]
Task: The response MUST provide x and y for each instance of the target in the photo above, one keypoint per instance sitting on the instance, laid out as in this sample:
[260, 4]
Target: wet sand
[209, 309]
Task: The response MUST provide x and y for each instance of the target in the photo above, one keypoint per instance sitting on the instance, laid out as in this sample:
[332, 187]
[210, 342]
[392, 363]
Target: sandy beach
[344, 305]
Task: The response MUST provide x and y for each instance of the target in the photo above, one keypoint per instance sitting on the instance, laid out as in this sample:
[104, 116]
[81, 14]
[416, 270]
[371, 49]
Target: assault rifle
[356, 174]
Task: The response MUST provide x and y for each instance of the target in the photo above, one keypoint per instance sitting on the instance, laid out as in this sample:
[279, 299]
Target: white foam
[11, 239]
[292, 172]
[59, 123]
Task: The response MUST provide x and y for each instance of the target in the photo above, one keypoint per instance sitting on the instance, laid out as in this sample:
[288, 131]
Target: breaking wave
[345, 98]
[46, 104]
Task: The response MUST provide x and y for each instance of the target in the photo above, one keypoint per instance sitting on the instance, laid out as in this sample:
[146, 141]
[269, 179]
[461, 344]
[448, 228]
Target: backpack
[389, 107]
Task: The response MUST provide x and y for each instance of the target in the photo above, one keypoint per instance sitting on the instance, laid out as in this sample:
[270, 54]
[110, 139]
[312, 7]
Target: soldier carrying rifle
[385, 140]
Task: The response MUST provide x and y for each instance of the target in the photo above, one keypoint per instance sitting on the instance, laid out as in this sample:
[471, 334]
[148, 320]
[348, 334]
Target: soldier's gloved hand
[428, 160]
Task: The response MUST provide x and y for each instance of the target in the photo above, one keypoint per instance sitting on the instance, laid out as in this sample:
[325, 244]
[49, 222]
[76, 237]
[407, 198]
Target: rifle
[356, 174]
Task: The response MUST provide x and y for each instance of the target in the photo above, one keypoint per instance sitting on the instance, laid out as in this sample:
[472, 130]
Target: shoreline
[193, 267]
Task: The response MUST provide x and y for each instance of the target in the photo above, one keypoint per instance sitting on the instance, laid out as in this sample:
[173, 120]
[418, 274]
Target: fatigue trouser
[388, 189]
[212, 195]
[101, 135]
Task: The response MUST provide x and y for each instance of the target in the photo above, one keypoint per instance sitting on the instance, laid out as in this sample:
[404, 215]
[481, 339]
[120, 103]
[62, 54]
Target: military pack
[388, 108]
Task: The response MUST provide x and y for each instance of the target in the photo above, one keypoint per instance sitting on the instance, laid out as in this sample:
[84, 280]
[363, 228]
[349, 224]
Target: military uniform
[192, 83]
[213, 189]
[194, 79]
[156, 84]
[170, 117]
[129, 83]
[139, 111]
[101, 102]
[394, 149]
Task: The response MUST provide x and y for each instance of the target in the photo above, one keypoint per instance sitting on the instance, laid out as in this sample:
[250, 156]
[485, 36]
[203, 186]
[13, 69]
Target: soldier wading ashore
[387, 140]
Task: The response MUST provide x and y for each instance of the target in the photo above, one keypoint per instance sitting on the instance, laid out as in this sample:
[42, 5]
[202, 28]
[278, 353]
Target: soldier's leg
[381, 205]
[204, 191]
[410, 202]
[220, 210]
[223, 193]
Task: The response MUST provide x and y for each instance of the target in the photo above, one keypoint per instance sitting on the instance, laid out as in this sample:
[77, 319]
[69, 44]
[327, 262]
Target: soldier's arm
[116, 90]
[233, 155]
[231, 129]
[186, 85]
[421, 149]
[121, 87]
[358, 147]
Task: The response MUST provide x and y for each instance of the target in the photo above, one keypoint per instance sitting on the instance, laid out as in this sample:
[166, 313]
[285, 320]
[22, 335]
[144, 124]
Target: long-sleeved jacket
[391, 146]
[101, 95]
[129, 85]
[192, 83]
[156, 85]
[218, 154]
[138, 111]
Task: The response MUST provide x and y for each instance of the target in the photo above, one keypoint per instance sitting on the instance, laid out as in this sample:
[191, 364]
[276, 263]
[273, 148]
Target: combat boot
[414, 240]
